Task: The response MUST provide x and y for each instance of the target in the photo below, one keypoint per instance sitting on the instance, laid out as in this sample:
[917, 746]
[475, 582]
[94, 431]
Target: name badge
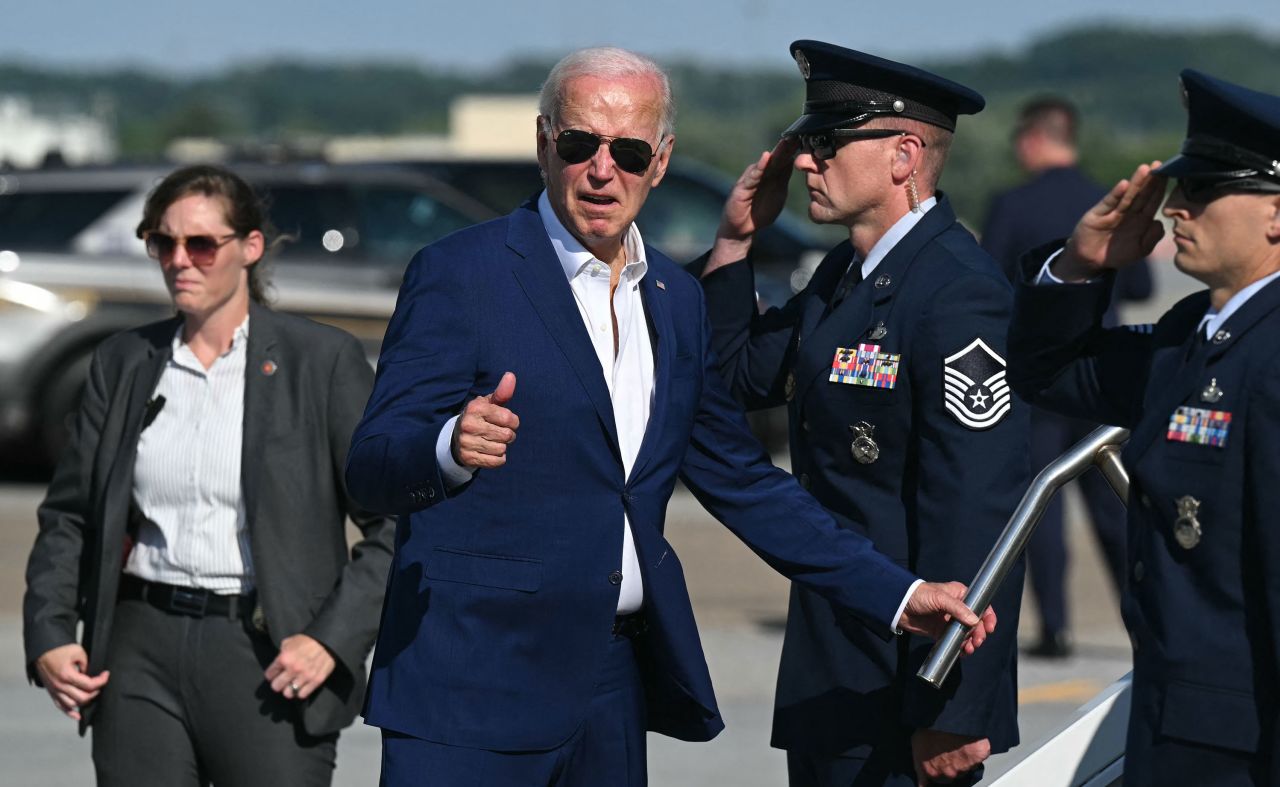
[1199, 426]
[865, 365]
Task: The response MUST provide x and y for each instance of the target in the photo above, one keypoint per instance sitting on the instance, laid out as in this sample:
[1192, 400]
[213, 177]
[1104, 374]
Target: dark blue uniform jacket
[935, 500]
[1203, 619]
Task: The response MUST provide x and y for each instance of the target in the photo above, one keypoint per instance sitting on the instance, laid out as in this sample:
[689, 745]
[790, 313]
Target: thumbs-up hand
[486, 427]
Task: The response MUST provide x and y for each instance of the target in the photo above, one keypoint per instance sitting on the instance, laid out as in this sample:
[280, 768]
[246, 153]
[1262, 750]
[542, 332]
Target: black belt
[195, 602]
[630, 626]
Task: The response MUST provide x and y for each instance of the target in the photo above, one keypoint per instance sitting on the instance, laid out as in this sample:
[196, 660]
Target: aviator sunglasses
[822, 144]
[575, 146]
[201, 249]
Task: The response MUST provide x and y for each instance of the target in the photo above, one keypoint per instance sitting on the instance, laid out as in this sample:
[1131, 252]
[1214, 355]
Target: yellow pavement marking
[1077, 690]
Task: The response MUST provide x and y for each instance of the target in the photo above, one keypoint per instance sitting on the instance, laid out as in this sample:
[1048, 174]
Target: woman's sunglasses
[201, 249]
[631, 155]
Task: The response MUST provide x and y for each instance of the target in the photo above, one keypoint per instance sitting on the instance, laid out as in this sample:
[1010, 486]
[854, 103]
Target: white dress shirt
[890, 239]
[628, 373]
[1212, 320]
[186, 478]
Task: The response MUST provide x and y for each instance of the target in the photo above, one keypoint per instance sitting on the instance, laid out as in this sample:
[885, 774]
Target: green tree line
[1123, 78]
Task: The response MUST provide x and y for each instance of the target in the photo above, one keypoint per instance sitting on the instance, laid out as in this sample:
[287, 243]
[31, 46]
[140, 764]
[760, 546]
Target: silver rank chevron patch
[974, 390]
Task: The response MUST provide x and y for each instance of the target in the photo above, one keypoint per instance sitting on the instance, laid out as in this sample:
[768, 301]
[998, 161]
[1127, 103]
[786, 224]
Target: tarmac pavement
[740, 605]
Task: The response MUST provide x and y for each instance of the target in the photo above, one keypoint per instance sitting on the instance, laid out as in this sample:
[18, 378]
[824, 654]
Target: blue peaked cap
[1232, 132]
[844, 88]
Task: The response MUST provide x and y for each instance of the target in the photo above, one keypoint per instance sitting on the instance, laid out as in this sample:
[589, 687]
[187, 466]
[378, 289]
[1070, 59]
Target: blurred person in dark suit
[1047, 206]
[195, 525]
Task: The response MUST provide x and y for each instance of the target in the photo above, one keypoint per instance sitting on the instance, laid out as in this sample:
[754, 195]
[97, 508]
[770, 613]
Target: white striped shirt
[186, 478]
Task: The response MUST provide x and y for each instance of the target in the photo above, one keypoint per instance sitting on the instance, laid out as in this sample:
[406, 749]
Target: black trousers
[187, 706]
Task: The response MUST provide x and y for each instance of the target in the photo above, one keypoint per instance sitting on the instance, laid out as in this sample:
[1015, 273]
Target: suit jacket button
[615, 578]
[804, 481]
[1139, 571]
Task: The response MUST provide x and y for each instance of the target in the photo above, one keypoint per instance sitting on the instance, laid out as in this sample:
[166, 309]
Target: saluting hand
[1118, 231]
[753, 204]
[62, 671]
[933, 605]
[485, 429]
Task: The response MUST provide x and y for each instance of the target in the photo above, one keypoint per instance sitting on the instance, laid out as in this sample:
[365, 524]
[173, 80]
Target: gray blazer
[305, 388]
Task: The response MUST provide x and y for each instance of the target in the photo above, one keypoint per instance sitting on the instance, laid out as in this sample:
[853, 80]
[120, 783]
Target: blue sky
[162, 35]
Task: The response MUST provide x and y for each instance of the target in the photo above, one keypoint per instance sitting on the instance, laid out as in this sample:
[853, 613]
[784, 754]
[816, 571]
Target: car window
[305, 214]
[502, 186]
[396, 223]
[50, 220]
[379, 223]
[680, 217]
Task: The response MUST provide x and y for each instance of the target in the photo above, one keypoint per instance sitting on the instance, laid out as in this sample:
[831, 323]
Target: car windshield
[51, 220]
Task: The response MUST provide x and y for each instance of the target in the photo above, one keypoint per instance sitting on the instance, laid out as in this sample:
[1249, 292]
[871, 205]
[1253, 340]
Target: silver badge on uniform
[1186, 528]
[973, 388]
[864, 447]
[1211, 393]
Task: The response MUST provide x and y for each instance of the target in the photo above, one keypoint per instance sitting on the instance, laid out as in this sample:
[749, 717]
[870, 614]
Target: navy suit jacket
[1048, 207]
[1203, 620]
[935, 500]
[500, 600]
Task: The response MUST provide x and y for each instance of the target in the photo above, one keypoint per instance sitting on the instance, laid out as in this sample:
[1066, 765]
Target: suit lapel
[263, 371]
[142, 383]
[658, 315]
[542, 278]
[143, 380]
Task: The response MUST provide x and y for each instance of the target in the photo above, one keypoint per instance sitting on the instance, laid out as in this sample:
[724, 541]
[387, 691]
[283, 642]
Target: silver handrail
[1102, 448]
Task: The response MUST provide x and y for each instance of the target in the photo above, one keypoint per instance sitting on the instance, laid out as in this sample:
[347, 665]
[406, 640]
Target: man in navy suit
[1044, 208]
[890, 363]
[536, 621]
[1200, 391]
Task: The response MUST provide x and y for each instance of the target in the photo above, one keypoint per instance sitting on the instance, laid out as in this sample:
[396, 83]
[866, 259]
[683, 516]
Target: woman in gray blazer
[196, 524]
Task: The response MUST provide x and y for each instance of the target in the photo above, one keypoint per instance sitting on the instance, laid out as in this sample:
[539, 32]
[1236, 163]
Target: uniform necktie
[851, 279]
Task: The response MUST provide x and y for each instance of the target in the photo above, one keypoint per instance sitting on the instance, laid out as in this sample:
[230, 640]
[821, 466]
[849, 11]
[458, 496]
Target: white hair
[608, 62]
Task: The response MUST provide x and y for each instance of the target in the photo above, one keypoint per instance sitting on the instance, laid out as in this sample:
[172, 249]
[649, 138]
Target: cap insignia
[803, 63]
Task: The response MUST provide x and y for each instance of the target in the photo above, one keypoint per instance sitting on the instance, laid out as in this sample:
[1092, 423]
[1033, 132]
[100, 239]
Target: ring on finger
[295, 687]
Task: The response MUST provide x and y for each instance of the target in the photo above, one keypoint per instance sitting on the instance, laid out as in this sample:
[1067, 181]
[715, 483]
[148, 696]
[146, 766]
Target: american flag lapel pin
[661, 284]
